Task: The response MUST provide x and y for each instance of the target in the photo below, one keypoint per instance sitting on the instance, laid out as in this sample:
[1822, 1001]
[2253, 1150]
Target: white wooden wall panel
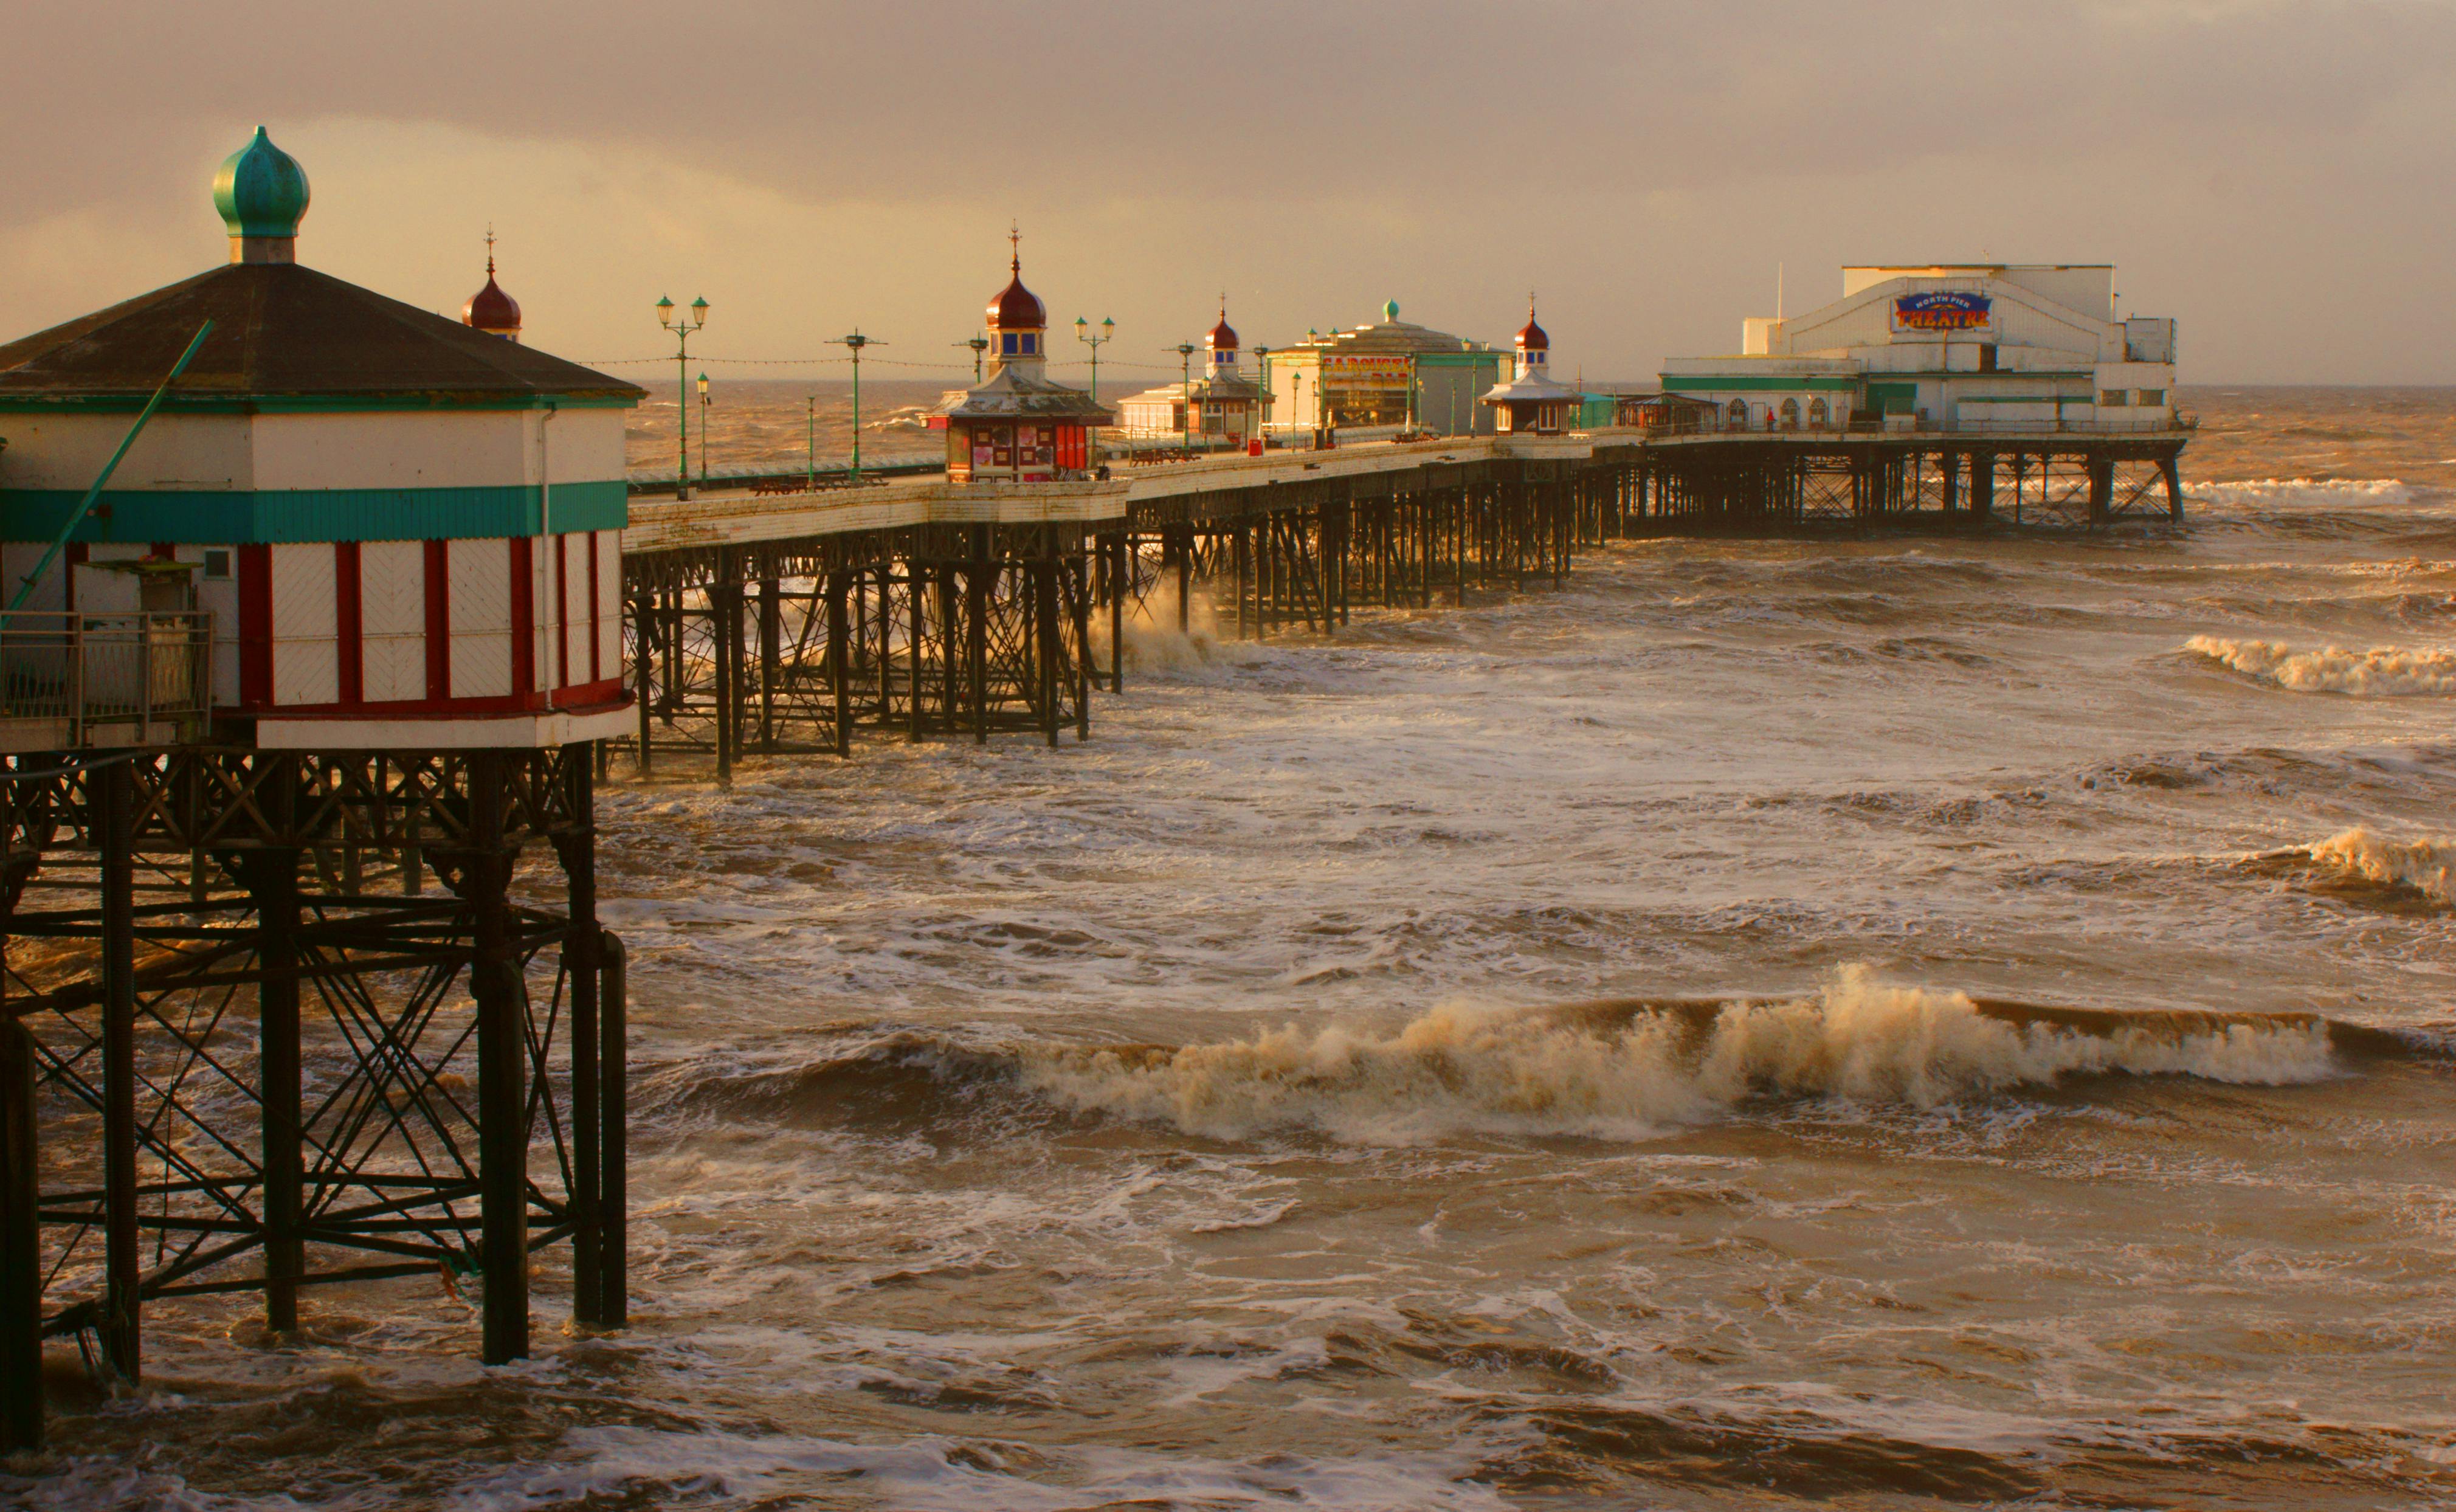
[481, 599]
[609, 603]
[306, 666]
[391, 607]
[571, 636]
[542, 611]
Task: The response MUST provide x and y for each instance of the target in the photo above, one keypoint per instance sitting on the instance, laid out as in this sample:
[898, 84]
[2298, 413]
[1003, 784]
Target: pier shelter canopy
[1962, 347]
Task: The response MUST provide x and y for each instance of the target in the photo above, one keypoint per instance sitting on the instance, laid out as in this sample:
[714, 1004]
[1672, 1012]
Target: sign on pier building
[1391, 373]
[406, 530]
[1974, 347]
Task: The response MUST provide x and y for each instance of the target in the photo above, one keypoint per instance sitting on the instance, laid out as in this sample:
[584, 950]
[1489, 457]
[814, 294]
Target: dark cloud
[2248, 162]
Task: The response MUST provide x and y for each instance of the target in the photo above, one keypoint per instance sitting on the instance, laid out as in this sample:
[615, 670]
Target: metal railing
[73, 680]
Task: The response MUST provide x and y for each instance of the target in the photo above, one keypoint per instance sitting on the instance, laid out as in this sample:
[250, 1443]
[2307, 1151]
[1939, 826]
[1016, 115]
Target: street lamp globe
[703, 386]
[666, 312]
[699, 312]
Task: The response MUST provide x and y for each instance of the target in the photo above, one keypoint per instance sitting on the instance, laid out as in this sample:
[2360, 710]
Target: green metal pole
[681, 414]
[856, 412]
[812, 437]
[84, 505]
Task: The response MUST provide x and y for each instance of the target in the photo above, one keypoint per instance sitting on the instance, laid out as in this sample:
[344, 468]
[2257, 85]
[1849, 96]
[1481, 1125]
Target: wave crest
[2255, 492]
[1630, 1070]
[2427, 866]
[2385, 671]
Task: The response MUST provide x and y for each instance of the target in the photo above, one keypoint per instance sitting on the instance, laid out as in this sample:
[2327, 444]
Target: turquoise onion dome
[262, 190]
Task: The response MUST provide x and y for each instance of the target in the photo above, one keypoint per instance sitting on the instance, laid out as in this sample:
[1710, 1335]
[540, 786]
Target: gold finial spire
[490, 248]
[1015, 241]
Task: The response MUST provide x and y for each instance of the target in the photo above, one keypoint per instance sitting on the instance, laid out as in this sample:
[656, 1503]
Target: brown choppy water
[1886, 1023]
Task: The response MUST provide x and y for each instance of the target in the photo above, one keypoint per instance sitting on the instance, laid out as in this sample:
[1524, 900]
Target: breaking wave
[2264, 491]
[2356, 856]
[1616, 1070]
[2385, 671]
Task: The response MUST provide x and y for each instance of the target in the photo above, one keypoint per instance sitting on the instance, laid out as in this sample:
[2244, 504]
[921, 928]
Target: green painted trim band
[305, 404]
[289, 515]
[2022, 399]
[1676, 383]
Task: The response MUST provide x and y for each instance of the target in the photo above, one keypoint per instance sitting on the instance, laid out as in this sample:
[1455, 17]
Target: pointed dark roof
[283, 331]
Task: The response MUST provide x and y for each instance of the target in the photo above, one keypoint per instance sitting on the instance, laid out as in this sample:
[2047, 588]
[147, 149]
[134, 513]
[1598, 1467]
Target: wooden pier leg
[1184, 582]
[21, 1241]
[2168, 470]
[977, 585]
[672, 698]
[644, 664]
[1241, 547]
[583, 941]
[839, 654]
[1121, 578]
[613, 1109]
[2101, 489]
[1077, 571]
[724, 629]
[916, 637]
[115, 841]
[272, 878]
[772, 656]
[1044, 618]
[502, 1068]
[1982, 484]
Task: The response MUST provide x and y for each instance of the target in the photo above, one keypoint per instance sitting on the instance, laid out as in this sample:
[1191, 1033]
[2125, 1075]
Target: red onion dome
[491, 309]
[1223, 336]
[1531, 336]
[1016, 308]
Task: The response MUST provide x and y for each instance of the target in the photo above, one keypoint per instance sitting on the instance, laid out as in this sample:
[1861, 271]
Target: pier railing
[71, 680]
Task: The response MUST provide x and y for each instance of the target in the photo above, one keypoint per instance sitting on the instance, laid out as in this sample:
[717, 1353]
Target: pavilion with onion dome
[1532, 401]
[407, 528]
[1221, 406]
[1018, 425]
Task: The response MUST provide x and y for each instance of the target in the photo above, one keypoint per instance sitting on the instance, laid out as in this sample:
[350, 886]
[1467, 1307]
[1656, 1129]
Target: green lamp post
[702, 430]
[1083, 333]
[1186, 351]
[855, 343]
[681, 326]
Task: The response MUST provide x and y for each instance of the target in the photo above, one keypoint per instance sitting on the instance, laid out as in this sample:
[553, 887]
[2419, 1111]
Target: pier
[305, 984]
[762, 621]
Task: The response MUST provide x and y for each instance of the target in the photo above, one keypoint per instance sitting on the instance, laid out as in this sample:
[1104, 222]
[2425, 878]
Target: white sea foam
[2262, 491]
[2383, 671]
[1466, 1070]
[2426, 866]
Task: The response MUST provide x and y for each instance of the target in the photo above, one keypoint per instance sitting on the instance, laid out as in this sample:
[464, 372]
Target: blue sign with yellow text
[1943, 309]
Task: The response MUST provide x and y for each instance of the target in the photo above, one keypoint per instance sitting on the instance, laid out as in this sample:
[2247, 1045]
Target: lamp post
[811, 436]
[681, 326]
[1263, 384]
[855, 343]
[1083, 333]
[979, 345]
[1186, 351]
[702, 430]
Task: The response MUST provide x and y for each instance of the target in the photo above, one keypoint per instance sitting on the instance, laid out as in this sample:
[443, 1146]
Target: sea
[1886, 1023]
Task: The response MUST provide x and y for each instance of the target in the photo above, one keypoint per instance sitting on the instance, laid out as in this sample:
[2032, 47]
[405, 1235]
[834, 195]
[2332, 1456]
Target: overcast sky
[2278, 177]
